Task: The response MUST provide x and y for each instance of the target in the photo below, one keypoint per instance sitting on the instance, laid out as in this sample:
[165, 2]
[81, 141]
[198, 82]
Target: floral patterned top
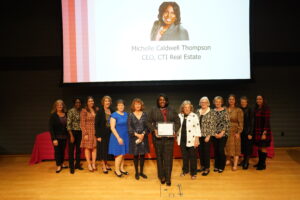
[207, 122]
[73, 121]
[222, 121]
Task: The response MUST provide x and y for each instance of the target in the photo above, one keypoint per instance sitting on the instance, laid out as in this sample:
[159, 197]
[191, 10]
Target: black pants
[59, 151]
[204, 152]
[220, 158]
[164, 156]
[189, 158]
[246, 145]
[77, 140]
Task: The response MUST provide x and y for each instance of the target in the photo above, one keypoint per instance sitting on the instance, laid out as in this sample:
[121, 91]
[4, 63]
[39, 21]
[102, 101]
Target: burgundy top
[164, 113]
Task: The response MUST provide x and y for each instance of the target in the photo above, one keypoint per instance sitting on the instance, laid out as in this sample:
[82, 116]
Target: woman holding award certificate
[163, 122]
[188, 138]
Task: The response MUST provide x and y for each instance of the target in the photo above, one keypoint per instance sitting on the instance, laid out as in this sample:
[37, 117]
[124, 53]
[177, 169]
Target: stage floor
[281, 180]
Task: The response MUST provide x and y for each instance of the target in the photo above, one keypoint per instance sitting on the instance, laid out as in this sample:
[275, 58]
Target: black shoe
[216, 169]
[162, 180]
[64, 167]
[262, 167]
[118, 175]
[221, 170]
[143, 175]
[242, 163]
[245, 166]
[79, 168]
[58, 170]
[125, 173]
[168, 183]
[200, 170]
[137, 177]
[72, 171]
[205, 173]
[104, 171]
[108, 168]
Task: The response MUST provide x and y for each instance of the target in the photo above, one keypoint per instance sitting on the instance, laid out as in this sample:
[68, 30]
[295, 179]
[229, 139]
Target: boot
[259, 159]
[262, 165]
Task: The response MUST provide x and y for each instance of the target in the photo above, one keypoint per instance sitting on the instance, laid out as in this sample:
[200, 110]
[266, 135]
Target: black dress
[102, 128]
[139, 126]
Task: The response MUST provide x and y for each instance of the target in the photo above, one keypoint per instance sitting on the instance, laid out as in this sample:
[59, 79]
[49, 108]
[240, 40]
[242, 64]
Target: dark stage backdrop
[27, 97]
[30, 72]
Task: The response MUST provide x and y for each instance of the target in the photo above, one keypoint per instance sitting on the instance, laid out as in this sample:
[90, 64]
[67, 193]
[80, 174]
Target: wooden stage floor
[281, 180]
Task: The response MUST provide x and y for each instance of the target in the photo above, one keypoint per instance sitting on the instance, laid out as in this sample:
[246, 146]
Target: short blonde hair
[186, 102]
[53, 110]
[204, 98]
[220, 98]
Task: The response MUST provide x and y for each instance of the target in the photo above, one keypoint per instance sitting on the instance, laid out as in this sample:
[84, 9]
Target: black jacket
[100, 123]
[56, 128]
[248, 121]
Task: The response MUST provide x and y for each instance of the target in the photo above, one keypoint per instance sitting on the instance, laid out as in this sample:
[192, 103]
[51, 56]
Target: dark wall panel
[27, 97]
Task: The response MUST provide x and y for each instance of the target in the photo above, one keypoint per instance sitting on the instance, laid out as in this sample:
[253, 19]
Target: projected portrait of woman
[168, 26]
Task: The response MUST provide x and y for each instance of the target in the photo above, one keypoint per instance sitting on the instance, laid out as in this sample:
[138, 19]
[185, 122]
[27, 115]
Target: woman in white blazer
[188, 138]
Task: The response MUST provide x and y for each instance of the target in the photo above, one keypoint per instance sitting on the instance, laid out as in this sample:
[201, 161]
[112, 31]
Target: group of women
[104, 131]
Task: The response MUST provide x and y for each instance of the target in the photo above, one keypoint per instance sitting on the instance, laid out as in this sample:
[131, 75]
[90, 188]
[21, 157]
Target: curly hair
[162, 9]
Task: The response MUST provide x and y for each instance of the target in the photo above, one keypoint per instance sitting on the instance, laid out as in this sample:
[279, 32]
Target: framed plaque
[165, 129]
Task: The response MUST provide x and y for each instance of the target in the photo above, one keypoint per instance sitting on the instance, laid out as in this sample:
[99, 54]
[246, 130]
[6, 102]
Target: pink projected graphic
[75, 41]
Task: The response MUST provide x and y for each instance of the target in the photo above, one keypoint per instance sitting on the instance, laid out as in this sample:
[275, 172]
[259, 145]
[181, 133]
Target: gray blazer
[175, 32]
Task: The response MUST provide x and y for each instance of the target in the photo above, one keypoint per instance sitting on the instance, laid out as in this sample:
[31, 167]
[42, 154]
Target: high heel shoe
[125, 173]
[104, 171]
[118, 175]
[94, 167]
[90, 168]
[58, 170]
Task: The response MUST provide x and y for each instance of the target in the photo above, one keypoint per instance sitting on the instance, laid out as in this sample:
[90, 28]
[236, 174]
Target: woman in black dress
[59, 133]
[138, 132]
[103, 132]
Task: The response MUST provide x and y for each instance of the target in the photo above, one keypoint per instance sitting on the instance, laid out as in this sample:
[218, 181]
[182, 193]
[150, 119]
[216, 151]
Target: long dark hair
[264, 104]
[162, 9]
[86, 104]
